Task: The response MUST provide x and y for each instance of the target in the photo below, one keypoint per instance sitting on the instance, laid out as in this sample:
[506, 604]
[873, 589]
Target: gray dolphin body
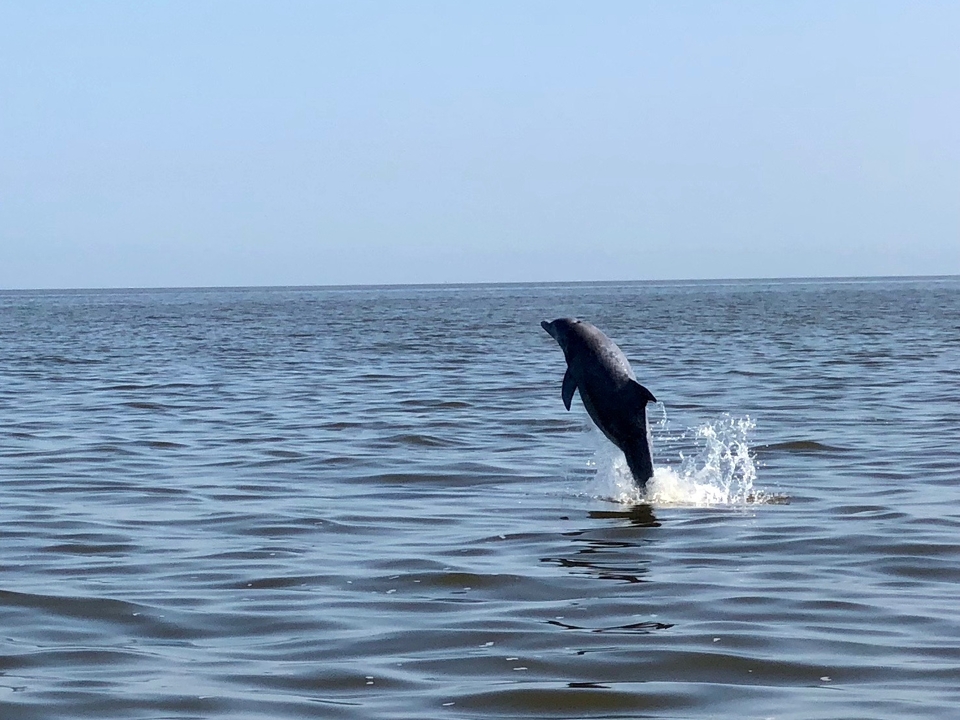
[614, 399]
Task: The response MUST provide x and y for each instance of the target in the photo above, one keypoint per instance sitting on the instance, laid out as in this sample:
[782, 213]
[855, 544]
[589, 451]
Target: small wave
[721, 471]
[420, 440]
[63, 360]
[161, 445]
[434, 404]
[802, 447]
[142, 405]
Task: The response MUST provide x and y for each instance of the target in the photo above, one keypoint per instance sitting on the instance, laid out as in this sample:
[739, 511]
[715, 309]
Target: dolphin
[614, 400]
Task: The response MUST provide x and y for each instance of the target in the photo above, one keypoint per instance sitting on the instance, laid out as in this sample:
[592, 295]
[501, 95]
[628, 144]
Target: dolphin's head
[561, 330]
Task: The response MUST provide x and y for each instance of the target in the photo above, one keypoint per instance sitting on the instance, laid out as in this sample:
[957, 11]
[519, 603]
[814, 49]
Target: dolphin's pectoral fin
[569, 386]
[641, 396]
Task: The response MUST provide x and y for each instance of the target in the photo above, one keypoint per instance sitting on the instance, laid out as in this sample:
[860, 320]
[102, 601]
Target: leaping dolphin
[614, 399]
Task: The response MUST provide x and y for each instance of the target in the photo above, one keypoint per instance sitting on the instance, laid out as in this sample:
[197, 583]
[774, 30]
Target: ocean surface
[371, 503]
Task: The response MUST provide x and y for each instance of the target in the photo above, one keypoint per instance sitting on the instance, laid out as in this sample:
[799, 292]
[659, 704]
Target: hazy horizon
[797, 280]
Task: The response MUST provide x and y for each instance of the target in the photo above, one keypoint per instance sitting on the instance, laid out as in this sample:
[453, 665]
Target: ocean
[370, 502]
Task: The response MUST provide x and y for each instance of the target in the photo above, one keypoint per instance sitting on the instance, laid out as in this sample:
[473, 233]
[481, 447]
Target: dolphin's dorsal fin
[641, 396]
[569, 386]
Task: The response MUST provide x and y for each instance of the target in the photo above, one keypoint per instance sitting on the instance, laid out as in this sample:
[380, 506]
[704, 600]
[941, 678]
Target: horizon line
[335, 286]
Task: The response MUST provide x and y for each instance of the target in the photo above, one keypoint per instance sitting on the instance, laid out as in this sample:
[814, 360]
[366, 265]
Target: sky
[235, 143]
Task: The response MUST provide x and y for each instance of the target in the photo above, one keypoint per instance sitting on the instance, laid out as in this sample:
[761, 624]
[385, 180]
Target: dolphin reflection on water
[609, 390]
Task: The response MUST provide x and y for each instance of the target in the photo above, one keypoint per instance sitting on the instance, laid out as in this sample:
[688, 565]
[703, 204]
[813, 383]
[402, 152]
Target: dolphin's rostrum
[614, 399]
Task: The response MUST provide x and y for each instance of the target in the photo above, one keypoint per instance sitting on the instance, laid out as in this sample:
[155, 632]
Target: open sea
[370, 502]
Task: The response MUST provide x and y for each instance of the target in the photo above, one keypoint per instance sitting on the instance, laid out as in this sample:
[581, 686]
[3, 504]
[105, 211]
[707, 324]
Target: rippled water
[370, 502]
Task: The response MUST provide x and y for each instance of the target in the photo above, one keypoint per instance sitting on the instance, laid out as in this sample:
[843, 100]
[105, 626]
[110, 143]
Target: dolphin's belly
[600, 413]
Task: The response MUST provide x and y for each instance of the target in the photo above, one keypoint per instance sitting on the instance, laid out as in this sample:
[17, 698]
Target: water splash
[719, 471]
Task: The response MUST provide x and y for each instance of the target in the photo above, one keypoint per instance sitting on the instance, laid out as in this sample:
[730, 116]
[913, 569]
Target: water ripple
[354, 503]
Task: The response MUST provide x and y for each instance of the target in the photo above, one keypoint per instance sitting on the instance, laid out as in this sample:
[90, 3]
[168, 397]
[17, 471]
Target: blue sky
[303, 143]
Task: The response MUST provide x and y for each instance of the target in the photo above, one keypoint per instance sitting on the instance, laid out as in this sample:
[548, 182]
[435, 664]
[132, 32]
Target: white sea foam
[719, 471]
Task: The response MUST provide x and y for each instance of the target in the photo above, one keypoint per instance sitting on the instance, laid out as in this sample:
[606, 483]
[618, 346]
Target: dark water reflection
[612, 554]
[640, 515]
